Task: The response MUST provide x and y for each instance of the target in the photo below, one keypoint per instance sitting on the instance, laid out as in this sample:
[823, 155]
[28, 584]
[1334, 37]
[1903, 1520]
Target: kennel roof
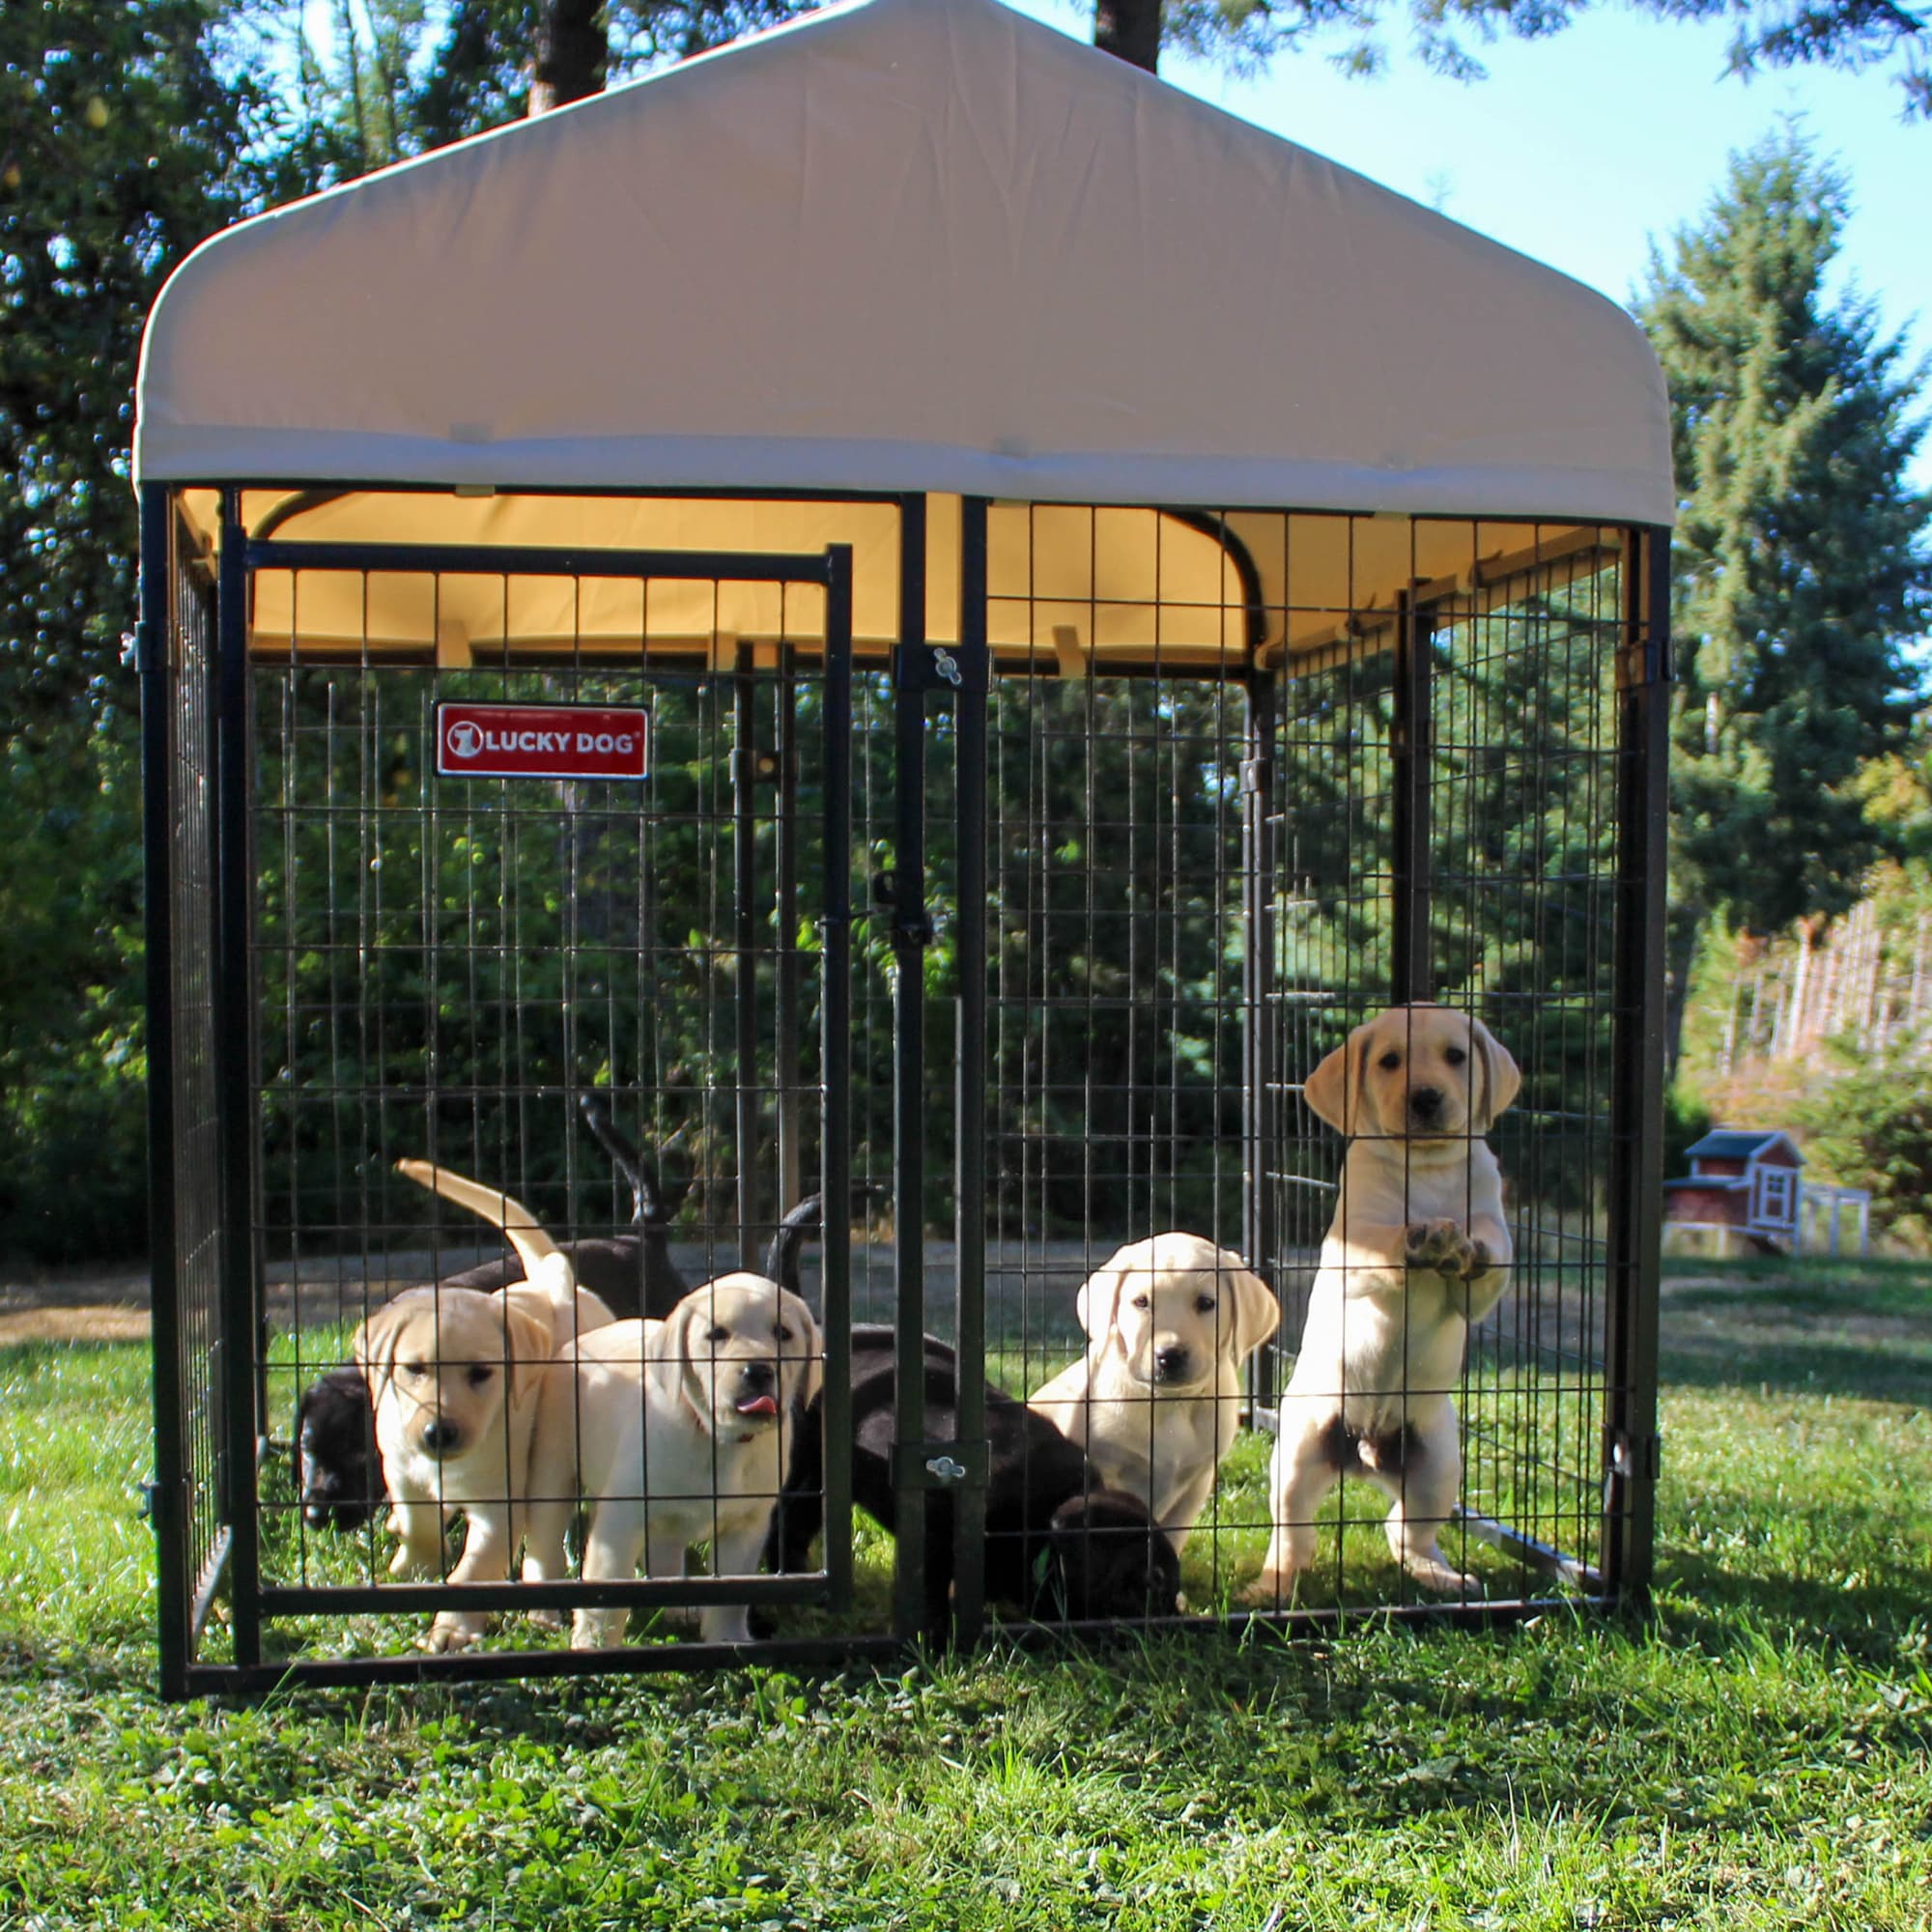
[899, 245]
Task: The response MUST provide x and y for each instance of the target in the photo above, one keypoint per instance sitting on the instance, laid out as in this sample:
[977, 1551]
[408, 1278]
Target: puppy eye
[718, 1335]
[1203, 1304]
[1390, 1061]
[416, 1370]
[479, 1375]
[783, 1333]
[1455, 1056]
[1142, 1301]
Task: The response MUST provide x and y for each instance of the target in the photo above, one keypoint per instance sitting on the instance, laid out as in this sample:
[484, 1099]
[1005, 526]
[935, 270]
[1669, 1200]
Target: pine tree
[1802, 565]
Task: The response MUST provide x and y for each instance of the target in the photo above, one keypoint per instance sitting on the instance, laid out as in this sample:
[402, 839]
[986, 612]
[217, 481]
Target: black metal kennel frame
[1020, 934]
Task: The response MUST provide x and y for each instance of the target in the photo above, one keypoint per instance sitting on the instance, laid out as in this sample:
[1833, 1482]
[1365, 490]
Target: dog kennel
[936, 621]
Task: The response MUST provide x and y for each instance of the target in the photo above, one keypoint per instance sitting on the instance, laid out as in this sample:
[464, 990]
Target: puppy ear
[1257, 1312]
[1497, 1073]
[531, 1346]
[665, 1347]
[1334, 1091]
[373, 1345]
[1098, 1302]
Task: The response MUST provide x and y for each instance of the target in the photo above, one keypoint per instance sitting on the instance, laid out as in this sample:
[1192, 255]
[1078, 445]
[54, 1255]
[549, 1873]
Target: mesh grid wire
[1202, 873]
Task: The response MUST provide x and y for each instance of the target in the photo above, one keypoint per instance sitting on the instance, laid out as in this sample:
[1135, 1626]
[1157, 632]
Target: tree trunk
[1681, 926]
[1129, 30]
[572, 53]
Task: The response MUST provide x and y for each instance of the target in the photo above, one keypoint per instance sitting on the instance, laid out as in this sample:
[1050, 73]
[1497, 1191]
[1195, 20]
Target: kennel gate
[1109, 905]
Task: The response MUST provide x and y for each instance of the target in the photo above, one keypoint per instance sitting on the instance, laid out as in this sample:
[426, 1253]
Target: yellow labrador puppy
[1156, 1400]
[453, 1377]
[1417, 1250]
[673, 1432]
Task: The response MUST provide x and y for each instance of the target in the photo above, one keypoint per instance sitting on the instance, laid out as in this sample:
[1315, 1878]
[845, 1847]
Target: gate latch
[953, 667]
[940, 1465]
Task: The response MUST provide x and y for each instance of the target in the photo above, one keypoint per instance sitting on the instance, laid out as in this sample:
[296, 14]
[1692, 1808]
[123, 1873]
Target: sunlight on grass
[1759, 1755]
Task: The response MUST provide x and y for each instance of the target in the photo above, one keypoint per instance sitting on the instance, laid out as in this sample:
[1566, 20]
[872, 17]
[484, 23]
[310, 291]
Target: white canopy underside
[907, 246]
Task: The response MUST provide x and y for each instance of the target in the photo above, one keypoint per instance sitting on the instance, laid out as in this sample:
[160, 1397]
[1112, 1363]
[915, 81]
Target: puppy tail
[516, 1220]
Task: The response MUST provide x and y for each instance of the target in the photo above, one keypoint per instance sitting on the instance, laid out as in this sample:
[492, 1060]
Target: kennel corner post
[238, 1341]
[1630, 1447]
[155, 659]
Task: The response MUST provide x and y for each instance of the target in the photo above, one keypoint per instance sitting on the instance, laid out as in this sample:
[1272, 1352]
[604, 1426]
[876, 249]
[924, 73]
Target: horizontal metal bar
[356, 1599]
[1543, 1556]
[534, 560]
[832, 1652]
[210, 1584]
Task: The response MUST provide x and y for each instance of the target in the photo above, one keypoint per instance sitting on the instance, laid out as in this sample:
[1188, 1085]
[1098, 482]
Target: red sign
[542, 741]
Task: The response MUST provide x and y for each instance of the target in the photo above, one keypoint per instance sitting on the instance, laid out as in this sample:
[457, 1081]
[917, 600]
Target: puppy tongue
[757, 1405]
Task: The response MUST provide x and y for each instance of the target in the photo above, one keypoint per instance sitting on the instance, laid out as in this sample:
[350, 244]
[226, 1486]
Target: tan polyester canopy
[908, 244]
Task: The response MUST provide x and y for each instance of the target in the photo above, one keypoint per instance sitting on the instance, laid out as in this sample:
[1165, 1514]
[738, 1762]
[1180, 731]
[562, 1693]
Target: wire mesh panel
[1205, 877]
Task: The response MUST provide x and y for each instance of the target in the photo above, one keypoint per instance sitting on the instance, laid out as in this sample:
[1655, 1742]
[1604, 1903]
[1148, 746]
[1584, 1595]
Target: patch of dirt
[93, 1304]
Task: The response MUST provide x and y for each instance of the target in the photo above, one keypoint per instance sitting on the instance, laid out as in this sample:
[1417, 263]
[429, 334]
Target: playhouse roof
[904, 244]
[1741, 1144]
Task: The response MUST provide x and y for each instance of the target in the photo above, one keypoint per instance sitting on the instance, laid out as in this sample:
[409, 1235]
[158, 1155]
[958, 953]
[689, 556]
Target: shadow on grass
[1809, 1326]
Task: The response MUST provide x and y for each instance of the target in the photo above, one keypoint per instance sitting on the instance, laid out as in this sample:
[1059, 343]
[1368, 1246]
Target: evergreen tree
[1802, 565]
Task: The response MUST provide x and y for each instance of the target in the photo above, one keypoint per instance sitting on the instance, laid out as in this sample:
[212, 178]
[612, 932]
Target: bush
[1872, 1127]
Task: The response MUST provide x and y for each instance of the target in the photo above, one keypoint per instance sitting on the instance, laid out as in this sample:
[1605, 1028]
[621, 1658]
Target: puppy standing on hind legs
[1416, 1252]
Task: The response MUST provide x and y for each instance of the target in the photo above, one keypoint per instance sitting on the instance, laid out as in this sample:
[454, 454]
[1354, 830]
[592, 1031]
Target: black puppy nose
[1425, 1103]
[439, 1436]
[1170, 1364]
[759, 1374]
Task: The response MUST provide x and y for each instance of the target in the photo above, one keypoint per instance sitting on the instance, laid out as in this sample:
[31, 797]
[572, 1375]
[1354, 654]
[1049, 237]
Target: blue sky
[1584, 147]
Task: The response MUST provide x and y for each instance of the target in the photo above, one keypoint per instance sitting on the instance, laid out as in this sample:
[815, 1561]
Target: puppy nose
[1170, 1364]
[759, 1374]
[1425, 1103]
[440, 1435]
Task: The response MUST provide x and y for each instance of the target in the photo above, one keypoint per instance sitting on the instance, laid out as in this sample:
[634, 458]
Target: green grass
[1757, 1755]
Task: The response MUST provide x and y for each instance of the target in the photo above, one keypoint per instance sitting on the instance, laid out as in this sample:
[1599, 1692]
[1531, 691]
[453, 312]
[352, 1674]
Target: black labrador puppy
[1059, 1545]
[338, 1468]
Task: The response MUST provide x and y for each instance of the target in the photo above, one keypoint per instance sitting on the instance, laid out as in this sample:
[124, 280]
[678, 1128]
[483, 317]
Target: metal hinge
[1257, 774]
[1635, 1459]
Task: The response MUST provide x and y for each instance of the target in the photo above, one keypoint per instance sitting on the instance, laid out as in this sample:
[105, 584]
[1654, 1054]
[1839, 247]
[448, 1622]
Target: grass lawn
[1759, 1754]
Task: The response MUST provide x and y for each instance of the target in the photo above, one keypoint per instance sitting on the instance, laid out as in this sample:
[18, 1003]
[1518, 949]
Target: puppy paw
[1444, 1246]
[1436, 1572]
[547, 1619]
[454, 1632]
[1271, 1590]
